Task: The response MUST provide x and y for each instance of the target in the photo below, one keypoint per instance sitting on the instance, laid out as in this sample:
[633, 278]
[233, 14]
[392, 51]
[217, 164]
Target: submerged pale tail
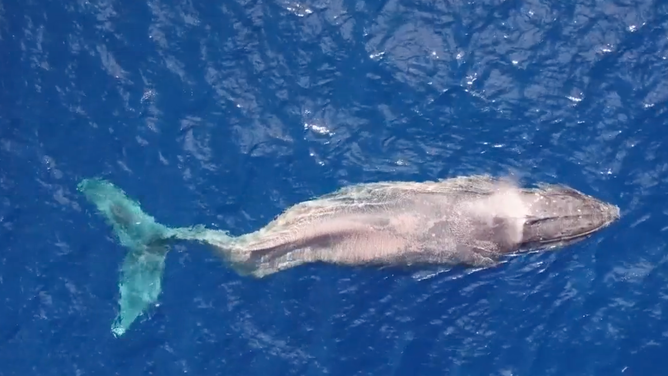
[141, 274]
[147, 242]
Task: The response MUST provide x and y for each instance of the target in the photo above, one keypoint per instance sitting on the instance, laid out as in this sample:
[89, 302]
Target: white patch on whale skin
[505, 203]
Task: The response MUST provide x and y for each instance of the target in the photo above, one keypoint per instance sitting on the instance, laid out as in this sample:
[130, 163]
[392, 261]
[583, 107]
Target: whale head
[558, 215]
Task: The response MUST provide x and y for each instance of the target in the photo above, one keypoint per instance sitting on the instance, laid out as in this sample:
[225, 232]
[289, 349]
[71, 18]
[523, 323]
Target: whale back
[467, 220]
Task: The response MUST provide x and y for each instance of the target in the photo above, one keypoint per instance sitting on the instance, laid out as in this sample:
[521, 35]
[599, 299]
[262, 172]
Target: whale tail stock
[148, 243]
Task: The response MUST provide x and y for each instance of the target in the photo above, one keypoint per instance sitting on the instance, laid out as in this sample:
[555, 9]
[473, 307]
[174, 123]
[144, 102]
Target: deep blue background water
[227, 112]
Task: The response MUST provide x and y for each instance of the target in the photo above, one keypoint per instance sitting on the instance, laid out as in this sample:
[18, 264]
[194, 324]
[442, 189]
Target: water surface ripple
[226, 112]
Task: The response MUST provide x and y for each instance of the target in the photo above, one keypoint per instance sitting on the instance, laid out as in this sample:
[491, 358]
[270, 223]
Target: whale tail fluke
[148, 243]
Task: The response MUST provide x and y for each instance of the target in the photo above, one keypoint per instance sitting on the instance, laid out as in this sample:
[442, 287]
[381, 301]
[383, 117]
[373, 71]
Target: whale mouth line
[562, 239]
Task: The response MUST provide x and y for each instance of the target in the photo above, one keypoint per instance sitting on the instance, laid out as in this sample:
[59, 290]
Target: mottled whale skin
[470, 220]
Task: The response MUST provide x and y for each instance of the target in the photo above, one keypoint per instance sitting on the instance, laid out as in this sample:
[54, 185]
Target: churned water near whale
[469, 220]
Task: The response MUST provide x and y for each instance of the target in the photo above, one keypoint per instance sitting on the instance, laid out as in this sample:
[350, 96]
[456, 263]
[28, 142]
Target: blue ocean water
[224, 113]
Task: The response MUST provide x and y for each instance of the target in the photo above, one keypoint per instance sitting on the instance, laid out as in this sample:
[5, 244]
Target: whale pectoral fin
[474, 256]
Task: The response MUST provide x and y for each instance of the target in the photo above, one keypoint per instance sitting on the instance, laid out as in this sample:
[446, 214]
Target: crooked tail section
[148, 244]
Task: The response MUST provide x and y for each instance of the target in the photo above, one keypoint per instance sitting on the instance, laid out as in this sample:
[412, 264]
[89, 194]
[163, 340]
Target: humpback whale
[472, 221]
